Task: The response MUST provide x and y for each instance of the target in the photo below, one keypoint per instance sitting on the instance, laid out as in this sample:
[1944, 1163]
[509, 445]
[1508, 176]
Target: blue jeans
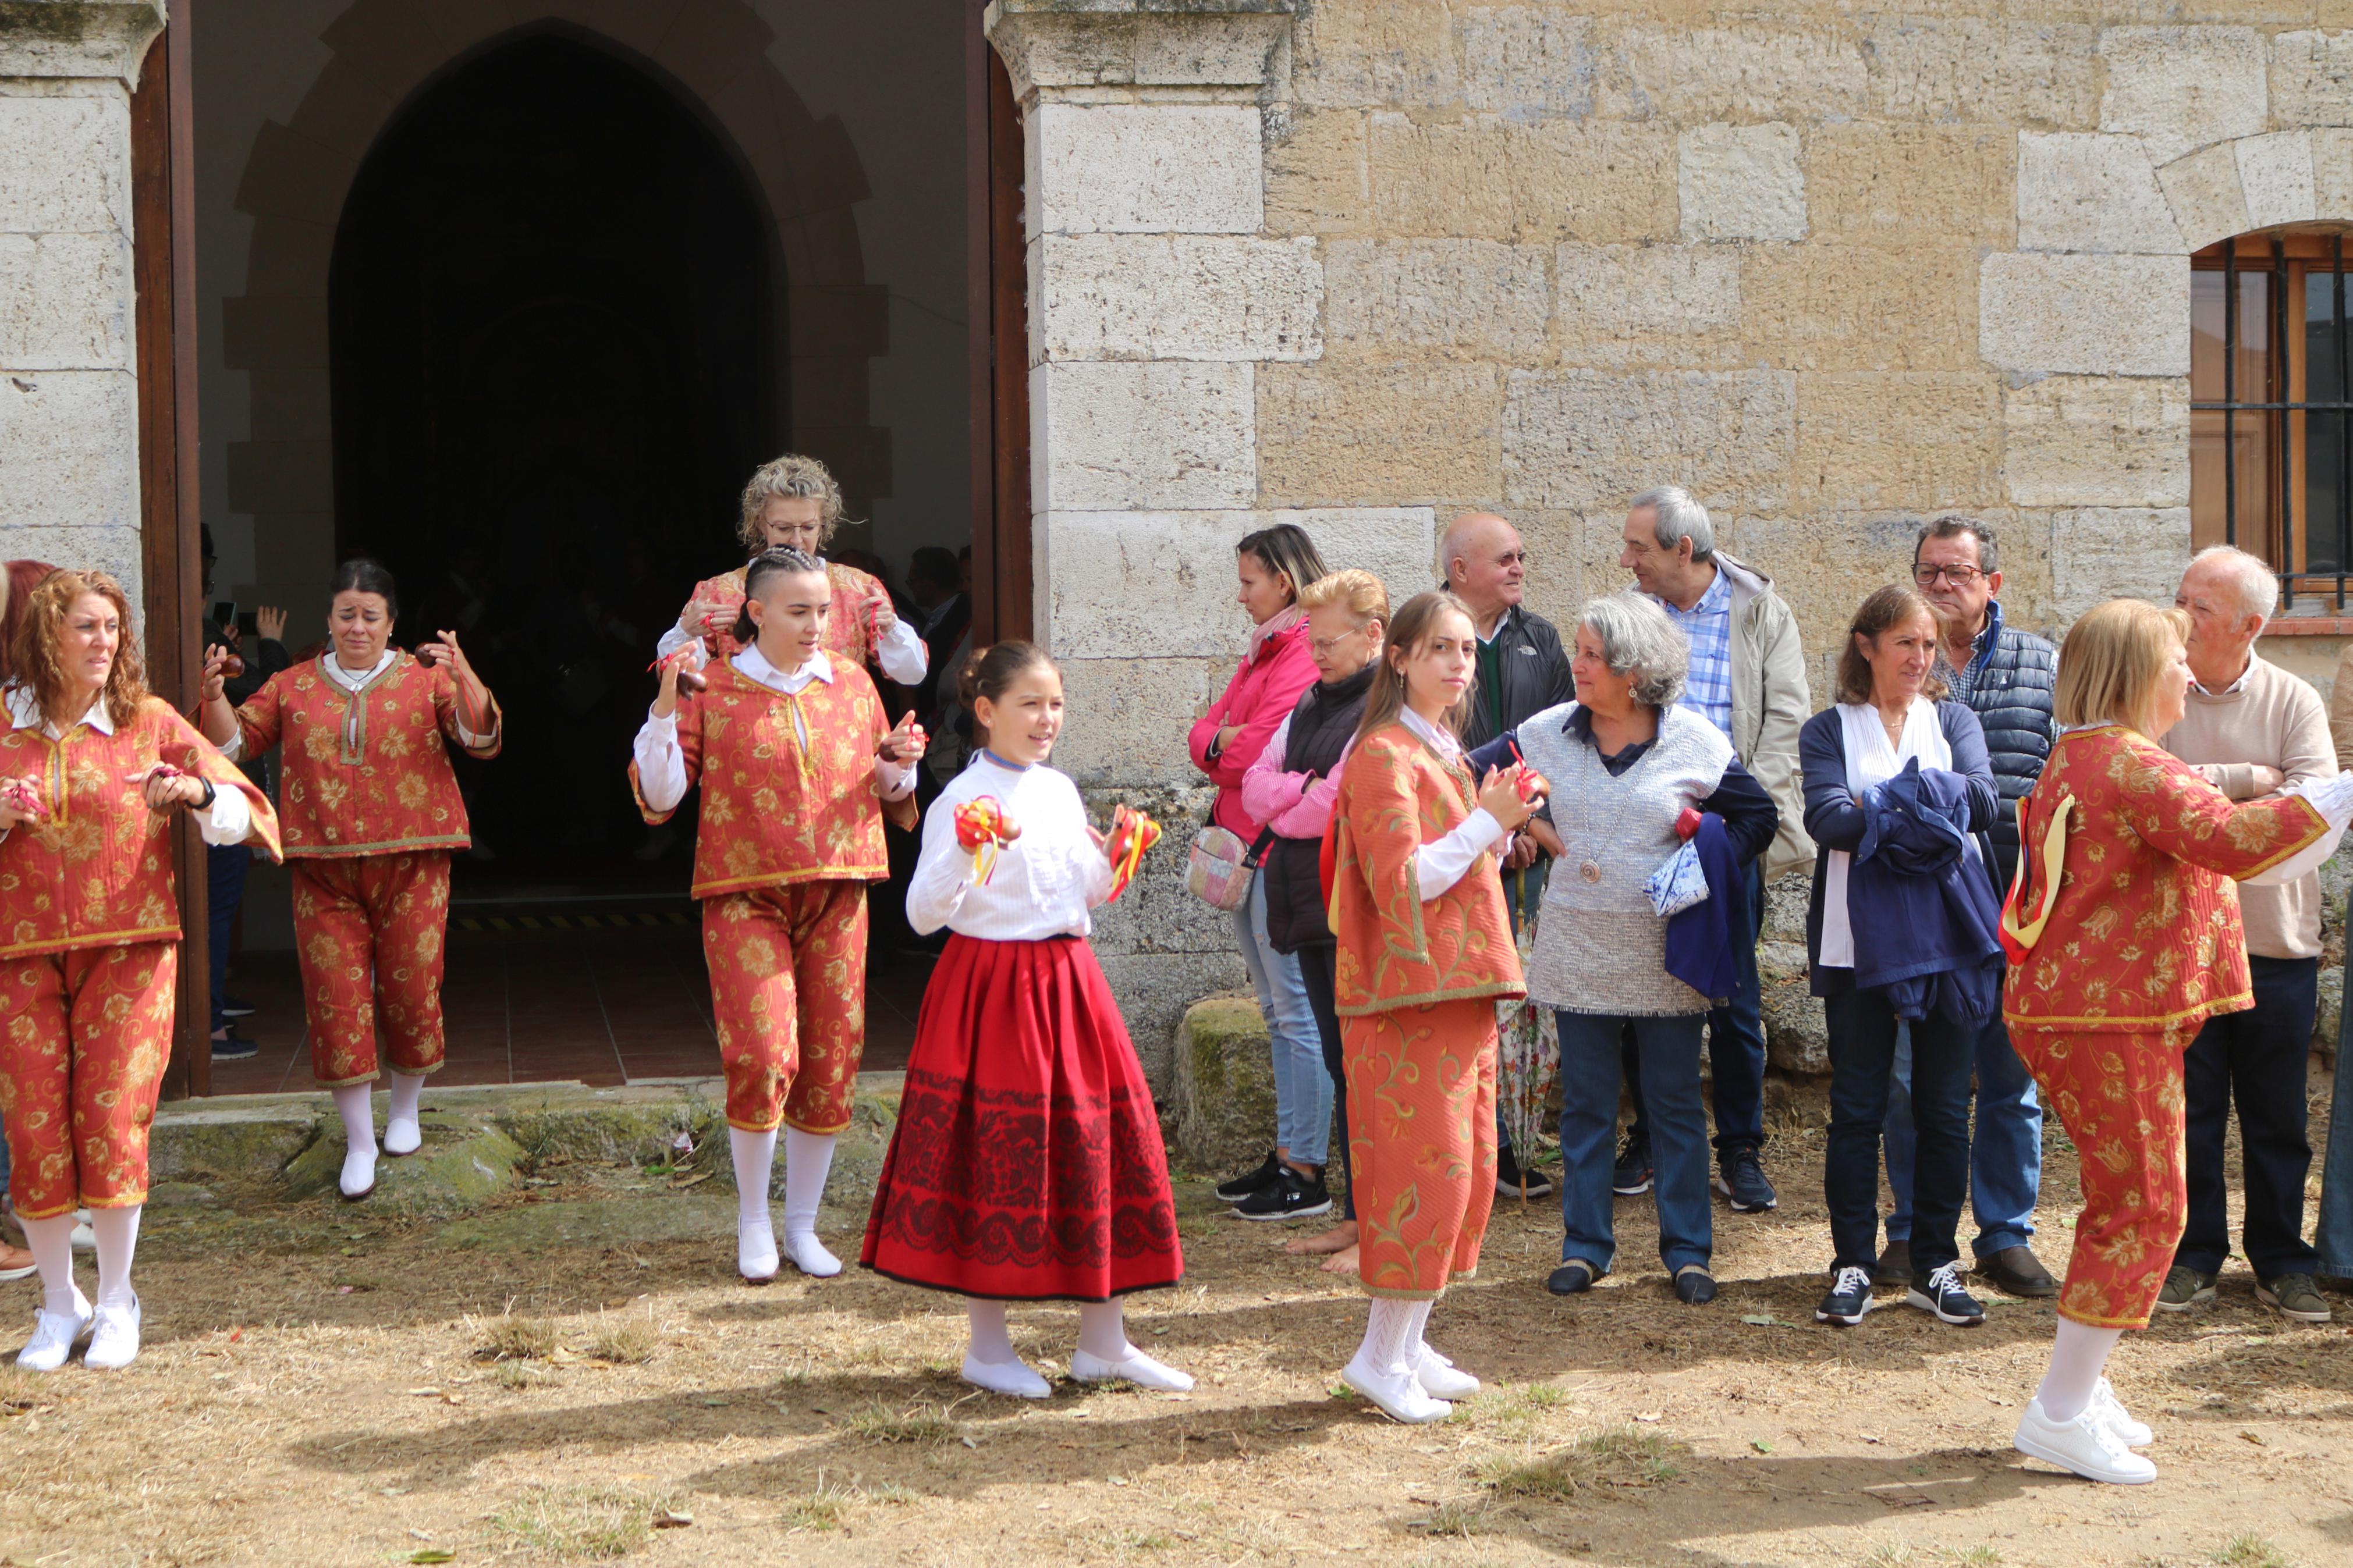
[2005, 1152]
[225, 870]
[1588, 1129]
[2334, 1236]
[1863, 1062]
[1303, 1089]
[1735, 1043]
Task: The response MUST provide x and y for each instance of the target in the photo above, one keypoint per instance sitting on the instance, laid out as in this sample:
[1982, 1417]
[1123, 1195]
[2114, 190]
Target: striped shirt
[1708, 690]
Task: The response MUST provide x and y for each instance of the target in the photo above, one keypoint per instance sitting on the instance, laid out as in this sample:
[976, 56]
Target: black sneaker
[1741, 1178]
[1508, 1176]
[1237, 1188]
[1940, 1294]
[1632, 1172]
[232, 1046]
[1849, 1301]
[236, 1007]
[1291, 1196]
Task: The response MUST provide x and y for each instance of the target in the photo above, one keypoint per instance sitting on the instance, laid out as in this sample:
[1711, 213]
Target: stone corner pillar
[68, 386]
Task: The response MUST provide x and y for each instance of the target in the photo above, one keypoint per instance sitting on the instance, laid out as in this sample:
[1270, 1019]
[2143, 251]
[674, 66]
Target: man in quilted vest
[2006, 676]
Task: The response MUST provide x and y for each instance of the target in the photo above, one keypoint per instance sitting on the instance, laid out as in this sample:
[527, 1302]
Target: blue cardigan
[1834, 820]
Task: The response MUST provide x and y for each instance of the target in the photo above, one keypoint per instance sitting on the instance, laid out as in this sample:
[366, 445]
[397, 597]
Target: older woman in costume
[1425, 949]
[91, 770]
[2123, 936]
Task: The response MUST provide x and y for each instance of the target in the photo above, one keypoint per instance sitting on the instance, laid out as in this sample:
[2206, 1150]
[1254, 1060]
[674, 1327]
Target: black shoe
[1940, 1294]
[1632, 1172]
[1849, 1301]
[1236, 1189]
[1508, 1176]
[235, 1007]
[1894, 1264]
[2016, 1271]
[1741, 1178]
[1574, 1277]
[1695, 1286]
[231, 1047]
[1292, 1196]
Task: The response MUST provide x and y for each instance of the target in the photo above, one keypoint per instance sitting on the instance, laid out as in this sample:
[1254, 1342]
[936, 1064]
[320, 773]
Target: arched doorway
[547, 314]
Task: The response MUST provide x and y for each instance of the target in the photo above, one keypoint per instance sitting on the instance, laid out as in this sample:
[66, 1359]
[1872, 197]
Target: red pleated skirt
[1027, 1163]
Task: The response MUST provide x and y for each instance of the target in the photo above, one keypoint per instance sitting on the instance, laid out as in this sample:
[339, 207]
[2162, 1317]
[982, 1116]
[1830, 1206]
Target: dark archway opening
[548, 311]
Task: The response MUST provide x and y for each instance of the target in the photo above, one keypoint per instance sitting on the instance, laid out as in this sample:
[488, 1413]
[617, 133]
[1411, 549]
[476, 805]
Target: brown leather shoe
[15, 1263]
[2016, 1271]
[1895, 1265]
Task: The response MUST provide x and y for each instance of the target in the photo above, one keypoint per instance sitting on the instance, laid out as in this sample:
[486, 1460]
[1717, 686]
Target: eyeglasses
[1959, 576]
[1325, 644]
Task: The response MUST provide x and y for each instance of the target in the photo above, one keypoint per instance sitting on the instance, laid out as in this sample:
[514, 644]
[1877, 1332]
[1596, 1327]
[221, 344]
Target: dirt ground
[318, 1388]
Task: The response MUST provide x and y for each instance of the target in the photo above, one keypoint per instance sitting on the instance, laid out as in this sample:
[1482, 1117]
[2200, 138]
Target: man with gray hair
[2250, 728]
[1749, 678]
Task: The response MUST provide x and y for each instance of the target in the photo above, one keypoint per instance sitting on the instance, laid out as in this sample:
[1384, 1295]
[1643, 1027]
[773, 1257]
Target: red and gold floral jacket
[849, 630]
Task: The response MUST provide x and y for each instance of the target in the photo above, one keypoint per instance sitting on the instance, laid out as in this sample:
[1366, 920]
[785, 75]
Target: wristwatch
[211, 794]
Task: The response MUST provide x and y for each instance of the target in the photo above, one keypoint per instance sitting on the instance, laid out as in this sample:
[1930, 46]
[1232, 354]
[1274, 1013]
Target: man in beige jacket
[2251, 728]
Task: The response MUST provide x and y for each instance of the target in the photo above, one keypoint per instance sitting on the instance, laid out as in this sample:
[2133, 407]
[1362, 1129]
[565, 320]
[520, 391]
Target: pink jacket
[1259, 698]
[1294, 805]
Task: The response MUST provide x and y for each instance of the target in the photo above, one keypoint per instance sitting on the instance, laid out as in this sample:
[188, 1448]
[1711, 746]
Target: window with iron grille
[2271, 421]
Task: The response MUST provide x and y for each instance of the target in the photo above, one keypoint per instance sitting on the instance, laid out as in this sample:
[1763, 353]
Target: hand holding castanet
[20, 800]
[1505, 795]
[905, 743]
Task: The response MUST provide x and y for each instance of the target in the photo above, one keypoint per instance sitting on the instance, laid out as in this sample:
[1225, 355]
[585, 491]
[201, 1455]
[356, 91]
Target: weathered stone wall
[69, 384]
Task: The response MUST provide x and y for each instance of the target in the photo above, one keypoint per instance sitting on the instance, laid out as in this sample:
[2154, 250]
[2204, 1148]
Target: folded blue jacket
[1912, 874]
[1700, 940]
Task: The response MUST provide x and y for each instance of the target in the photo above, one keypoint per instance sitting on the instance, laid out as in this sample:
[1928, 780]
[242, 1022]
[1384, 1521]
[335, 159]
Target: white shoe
[85, 1239]
[1395, 1392]
[2087, 1446]
[1012, 1378]
[809, 1255]
[402, 1135]
[114, 1341]
[755, 1250]
[2110, 1409]
[1135, 1367]
[54, 1334]
[358, 1179]
[1440, 1379]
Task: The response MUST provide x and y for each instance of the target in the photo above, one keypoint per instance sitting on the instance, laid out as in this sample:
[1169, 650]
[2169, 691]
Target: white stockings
[2077, 1358]
[401, 1133]
[51, 1241]
[754, 1154]
[359, 1138]
[809, 1157]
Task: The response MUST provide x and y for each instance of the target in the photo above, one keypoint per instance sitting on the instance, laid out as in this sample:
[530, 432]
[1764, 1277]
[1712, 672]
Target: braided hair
[768, 563]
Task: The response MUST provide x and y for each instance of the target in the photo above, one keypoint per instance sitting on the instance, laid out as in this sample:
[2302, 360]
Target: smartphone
[249, 622]
[223, 612]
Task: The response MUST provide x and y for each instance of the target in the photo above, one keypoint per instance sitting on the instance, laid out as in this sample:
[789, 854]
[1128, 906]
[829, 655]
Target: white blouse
[1044, 882]
[1869, 761]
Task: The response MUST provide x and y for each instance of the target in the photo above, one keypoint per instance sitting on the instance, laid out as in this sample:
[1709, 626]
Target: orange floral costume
[1416, 983]
[90, 933]
[849, 630]
[2136, 944]
[790, 834]
[372, 816]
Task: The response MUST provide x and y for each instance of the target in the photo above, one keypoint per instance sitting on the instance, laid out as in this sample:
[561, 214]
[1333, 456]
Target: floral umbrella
[1527, 1054]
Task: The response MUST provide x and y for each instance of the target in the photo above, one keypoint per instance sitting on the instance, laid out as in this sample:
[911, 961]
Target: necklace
[1589, 869]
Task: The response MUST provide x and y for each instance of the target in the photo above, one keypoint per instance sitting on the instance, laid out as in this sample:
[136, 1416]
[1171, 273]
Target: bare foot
[1343, 1261]
[1332, 1240]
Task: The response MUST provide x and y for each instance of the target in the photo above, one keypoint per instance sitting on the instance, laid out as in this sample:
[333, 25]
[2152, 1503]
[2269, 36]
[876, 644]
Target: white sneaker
[358, 1179]
[1135, 1367]
[1395, 1392]
[54, 1334]
[755, 1250]
[809, 1255]
[402, 1136]
[1440, 1379]
[114, 1341]
[85, 1238]
[2110, 1409]
[2087, 1446]
[1012, 1378]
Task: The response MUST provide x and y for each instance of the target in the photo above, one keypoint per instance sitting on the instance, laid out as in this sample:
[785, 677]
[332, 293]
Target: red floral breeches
[84, 1036]
[789, 992]
[371, 932]
[2119, 1097]
[1422, 1142]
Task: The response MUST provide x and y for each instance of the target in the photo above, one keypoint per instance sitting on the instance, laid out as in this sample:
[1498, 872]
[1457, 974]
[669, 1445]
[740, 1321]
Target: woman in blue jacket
[1890, 714]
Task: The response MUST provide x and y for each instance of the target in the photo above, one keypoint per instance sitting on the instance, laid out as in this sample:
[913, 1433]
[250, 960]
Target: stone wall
[68, 381]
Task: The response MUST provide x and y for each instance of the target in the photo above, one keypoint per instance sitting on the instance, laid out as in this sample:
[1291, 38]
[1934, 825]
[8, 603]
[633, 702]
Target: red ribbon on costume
[1132, 834]
[980, 829]
[22, 798]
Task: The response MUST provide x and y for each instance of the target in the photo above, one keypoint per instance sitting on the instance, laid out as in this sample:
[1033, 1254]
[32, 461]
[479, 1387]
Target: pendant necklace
[1589, 869]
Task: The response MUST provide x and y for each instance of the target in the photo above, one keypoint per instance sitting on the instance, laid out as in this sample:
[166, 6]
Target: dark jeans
[2256, 1058]
[1736, 1044]
[1863, 1064]
[224, 868]
[1590, 1070]
[1315, 974]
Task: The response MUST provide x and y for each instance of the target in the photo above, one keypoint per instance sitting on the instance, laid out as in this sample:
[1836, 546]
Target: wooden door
[997, 309]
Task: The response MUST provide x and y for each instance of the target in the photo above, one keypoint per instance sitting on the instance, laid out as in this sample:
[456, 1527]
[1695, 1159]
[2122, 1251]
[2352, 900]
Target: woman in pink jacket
[1276, 565]
[1291, 788]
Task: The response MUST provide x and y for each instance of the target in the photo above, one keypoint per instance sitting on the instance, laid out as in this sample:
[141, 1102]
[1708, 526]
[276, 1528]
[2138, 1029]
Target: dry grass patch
[829, 1506]
[919, 1424]
[510, 1338]
[2251, 1550]
[1615, 1456]
[580, 1524]
[1460, 1518]
[628, 1343]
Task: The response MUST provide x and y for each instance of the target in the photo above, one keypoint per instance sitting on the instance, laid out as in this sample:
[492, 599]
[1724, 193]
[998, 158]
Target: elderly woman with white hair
[1626, 763]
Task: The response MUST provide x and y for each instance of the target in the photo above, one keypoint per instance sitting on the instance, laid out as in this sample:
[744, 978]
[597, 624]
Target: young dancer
[1425, 949]
[798, 767]
[373, 815]
[1027, 1163]
[91, 769]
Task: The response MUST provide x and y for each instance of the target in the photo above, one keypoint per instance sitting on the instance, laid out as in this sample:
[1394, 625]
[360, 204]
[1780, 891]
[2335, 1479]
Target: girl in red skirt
[1027, 1163]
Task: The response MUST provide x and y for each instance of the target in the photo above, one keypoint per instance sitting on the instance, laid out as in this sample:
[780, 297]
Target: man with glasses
[2006, 676]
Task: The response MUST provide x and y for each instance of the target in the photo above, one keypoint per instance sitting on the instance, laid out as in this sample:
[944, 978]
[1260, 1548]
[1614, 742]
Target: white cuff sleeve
[229, 817]
[661, 766]
[942, 875]
[893, 780]
[2333, 798]
[903, 655]
[234, 748]
[1438, 866]
[671, 641]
